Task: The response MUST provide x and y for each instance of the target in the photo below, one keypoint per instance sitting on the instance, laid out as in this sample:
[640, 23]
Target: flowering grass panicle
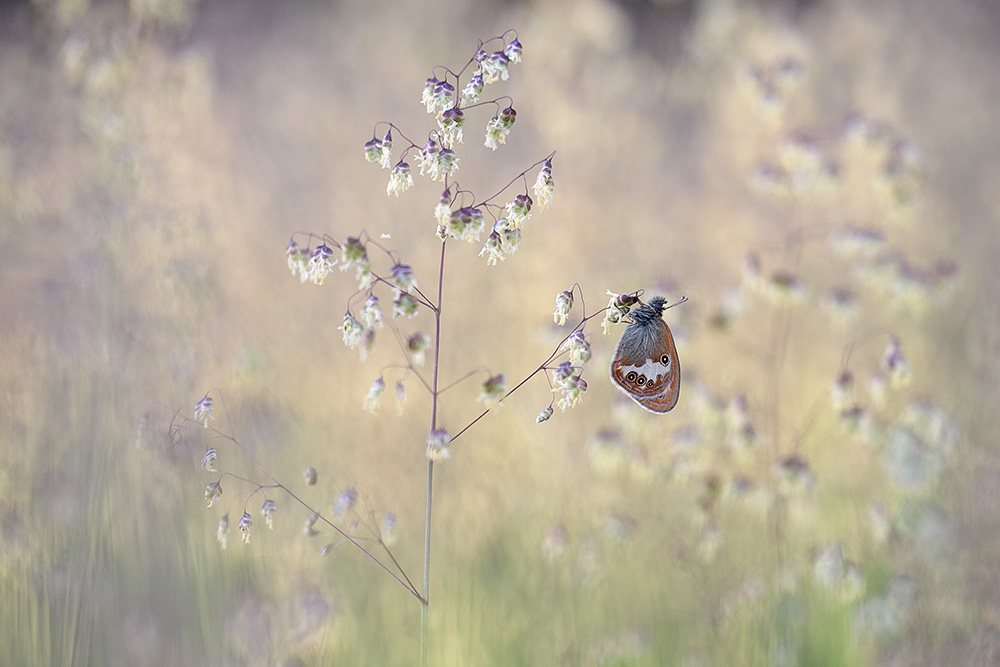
[765, 465]
[498, 222]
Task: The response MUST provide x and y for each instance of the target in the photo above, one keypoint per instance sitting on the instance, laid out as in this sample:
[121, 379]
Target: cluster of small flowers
[914, 448]
[898, 164]
[578, 348]
[439, 97]
[213, 493]
[438, 161]
[907, 285]
[380, 150]
[891, 273]
[888, 274]
[317, 264]
[354, 253]
[505, 238]
[780, 288]
[568, 385]
[344, 504]
[893, 372]
[768, 86]
[867, 150]
[465, 224]
[618, 307]
[360, 333]
[801, 168]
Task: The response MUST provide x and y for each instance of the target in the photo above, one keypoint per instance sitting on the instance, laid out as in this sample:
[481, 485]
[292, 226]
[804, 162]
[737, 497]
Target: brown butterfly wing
[668, 387]
[660, 394]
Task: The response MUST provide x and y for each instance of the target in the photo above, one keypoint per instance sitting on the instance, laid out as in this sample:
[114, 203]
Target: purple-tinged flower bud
[402, 277]
[405, 304]
[321, 264]
[353, 331]
[840, 390]
[493, 249]
[310, 527]
[203, 410]
[386, 149]
[417, 346]
[499, 127]
[513, 51]
[400, 180]
[400, 397]
[345, 503]
[578, 347]
[208, 460]
[544, 186]
[451, 124]
[212, 493]
[373, 150]
[494, 67]
[246, 522]
[445, 165]
[438, 442]
[387, 529]
[428, 156]
[894, 363]
[519, 210]
[492, 391]
[268, 509]
[473, 89]
[427, 97]
[564, 302]
[374, 396]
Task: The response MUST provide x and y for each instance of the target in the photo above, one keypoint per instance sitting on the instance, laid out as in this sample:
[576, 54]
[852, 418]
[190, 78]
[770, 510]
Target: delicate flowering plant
[391, 301]
[773, 454]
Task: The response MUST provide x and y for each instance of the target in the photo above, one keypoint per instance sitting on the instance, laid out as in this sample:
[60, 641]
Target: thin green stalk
[427, 566]
[430, 464]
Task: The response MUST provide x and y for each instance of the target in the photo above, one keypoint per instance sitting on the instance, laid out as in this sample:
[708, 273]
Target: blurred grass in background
[156, 156]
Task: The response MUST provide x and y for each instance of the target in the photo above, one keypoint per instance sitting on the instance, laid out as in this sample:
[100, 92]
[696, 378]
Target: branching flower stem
[543, 366]
[403, 580]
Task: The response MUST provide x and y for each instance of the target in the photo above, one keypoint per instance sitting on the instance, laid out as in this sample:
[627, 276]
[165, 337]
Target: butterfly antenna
[678, 302]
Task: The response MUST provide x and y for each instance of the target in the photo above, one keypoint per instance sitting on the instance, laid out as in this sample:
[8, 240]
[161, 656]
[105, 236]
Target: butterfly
[645, 364]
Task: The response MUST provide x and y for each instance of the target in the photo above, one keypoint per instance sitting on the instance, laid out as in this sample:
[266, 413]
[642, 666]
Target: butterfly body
[645, 364]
